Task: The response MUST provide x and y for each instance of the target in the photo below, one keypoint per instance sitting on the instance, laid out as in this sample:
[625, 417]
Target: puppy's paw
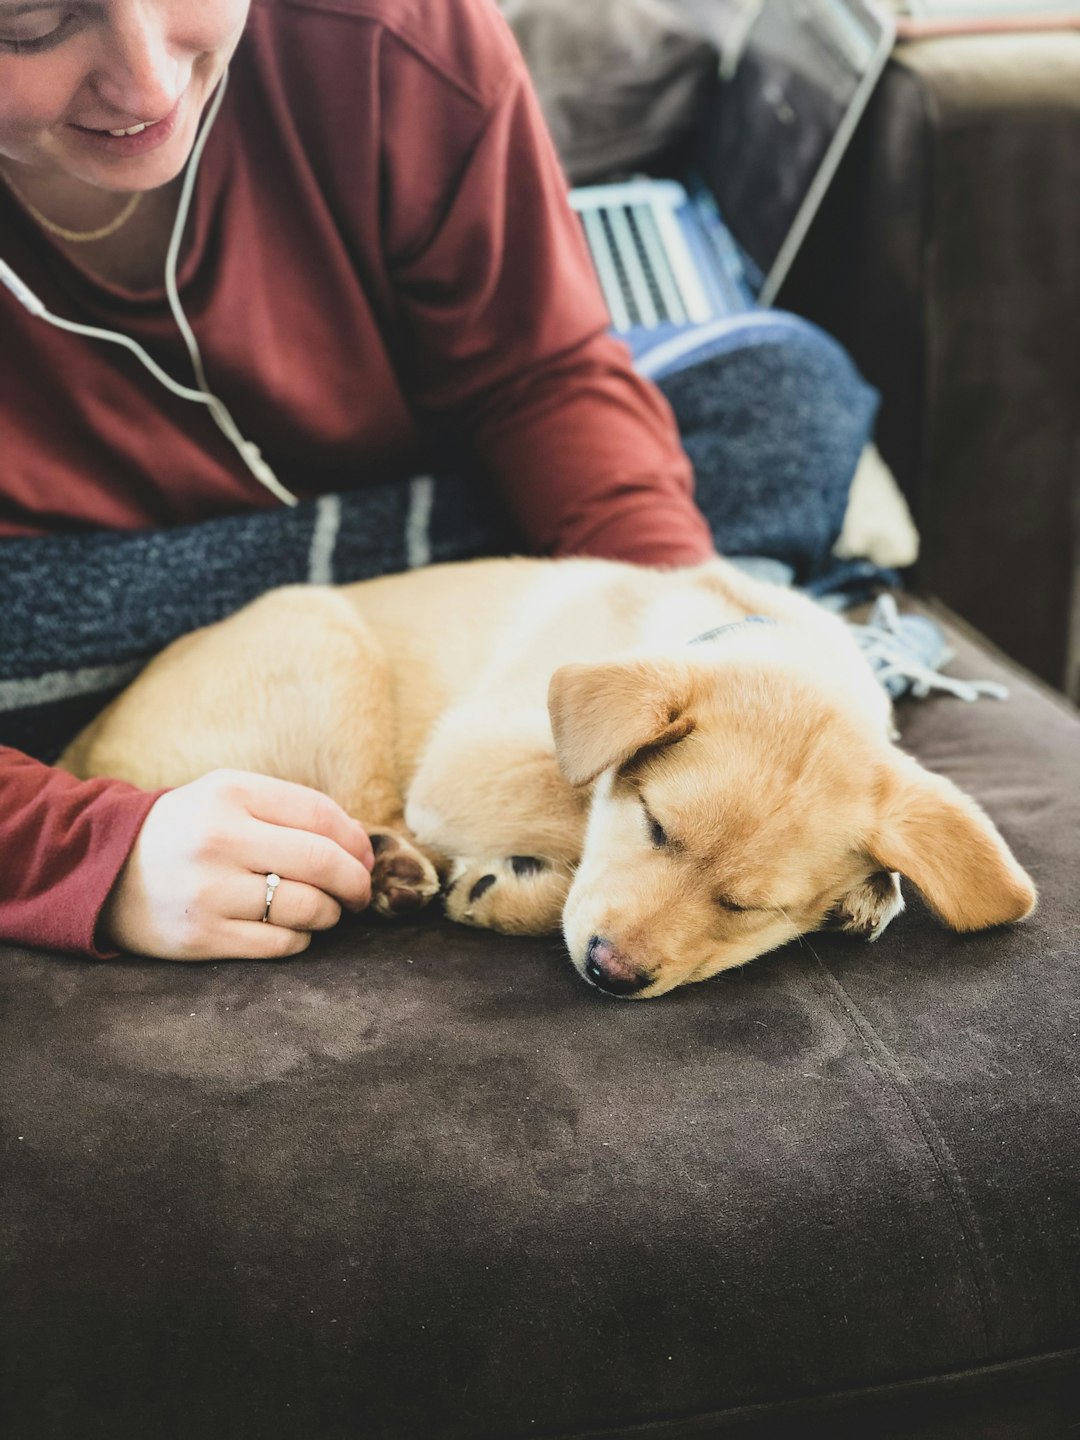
[402, 879]
[517, 894]
[867, 909]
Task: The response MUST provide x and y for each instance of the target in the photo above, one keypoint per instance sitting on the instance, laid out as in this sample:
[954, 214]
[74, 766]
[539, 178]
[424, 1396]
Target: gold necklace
[76, 237]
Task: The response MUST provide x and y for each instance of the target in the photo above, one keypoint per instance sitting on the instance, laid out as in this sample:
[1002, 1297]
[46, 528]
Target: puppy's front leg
[517, 894]
[488, 792]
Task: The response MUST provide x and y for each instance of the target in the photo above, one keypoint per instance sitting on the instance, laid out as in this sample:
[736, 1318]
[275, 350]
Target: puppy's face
[739, 805]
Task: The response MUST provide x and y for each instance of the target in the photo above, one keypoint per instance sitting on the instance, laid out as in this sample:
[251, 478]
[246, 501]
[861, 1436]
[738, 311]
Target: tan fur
[502, 710]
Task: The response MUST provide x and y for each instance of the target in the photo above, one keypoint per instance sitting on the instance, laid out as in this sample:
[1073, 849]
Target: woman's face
[72, 70]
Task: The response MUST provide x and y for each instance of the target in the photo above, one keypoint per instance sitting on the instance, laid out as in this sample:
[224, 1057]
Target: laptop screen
[795, 76]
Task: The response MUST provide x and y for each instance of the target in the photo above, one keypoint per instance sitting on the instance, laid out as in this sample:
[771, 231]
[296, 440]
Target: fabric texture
[774, 417]
[426, 1182]
[908, 653]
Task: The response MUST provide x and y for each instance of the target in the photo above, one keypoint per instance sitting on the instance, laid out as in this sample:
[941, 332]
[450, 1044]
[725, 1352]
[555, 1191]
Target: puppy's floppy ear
[601, 715]
[948, 848]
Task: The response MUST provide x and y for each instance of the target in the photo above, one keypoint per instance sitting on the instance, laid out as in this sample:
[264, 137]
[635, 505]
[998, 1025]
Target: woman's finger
[306, 858]
[240, 940]
[298, 807]
[251, 940]
[294, 906]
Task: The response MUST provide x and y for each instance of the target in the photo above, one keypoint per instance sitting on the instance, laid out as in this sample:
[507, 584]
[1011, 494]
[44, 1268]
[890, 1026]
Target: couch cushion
[425, 1184]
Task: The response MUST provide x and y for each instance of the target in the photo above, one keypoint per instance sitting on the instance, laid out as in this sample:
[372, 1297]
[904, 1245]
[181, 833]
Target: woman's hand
[194, 885]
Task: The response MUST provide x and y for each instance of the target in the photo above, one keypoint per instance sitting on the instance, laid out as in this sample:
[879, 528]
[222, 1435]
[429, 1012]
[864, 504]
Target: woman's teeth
[134, 129]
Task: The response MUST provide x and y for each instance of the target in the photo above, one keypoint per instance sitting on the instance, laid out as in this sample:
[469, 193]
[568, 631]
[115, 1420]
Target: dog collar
[734, 625]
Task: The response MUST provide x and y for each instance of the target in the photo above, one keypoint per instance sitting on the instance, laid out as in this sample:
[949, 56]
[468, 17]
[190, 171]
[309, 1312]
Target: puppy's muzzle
[612, 971]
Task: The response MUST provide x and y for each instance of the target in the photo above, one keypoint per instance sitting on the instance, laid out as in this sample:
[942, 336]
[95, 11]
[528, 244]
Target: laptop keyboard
[661, 262]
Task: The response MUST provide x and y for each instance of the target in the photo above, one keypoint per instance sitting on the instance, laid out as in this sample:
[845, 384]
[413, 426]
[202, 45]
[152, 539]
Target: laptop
[672, 255]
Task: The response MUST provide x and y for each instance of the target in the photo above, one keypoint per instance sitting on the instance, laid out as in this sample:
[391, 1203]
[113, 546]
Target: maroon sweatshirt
[379, 257]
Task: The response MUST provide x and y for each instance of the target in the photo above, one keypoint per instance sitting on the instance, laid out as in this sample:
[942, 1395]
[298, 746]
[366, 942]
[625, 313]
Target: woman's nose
[141, 71]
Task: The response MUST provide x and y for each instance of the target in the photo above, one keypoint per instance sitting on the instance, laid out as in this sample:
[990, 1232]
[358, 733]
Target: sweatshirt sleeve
[508, 335]
[63, 842]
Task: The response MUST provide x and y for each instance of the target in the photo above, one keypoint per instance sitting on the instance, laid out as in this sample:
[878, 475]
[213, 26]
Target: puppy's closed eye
[726, 903]
[658, 836]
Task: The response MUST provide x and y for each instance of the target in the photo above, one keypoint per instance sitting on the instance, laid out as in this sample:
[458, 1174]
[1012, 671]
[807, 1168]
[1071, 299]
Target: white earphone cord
[248, 451]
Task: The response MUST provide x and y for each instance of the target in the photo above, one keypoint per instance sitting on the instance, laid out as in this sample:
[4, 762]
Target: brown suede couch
[425, 1184]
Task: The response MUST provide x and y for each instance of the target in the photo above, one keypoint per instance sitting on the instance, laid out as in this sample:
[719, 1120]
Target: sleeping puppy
[683, 769]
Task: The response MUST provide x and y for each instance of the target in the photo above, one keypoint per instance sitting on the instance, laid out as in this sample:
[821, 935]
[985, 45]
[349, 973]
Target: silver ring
[272, 882]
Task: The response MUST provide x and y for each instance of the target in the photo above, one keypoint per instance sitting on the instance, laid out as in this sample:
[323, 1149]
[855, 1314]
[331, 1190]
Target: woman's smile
[113, 101]
[136, 140]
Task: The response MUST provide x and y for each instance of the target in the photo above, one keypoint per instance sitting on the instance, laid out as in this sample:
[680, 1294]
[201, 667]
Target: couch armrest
[947, 258]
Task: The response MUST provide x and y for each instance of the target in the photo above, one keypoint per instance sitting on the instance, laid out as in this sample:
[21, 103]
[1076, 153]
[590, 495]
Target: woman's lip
[128, 146]
[114, 129]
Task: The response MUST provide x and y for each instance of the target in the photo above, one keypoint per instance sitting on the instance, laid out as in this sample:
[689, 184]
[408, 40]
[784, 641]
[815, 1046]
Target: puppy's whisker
[803, 941]
[799, 936]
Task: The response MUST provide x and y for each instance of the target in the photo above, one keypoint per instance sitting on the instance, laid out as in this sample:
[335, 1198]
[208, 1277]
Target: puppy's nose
[609, 969]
